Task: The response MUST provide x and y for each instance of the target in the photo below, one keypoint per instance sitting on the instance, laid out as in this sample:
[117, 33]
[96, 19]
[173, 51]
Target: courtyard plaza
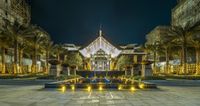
[32, 93]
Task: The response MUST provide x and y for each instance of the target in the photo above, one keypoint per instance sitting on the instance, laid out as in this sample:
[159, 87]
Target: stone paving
[35, 95]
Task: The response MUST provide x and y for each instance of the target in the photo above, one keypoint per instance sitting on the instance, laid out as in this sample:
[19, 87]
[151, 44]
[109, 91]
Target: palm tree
[13, 30]
[167, 43]
[154, 48]
[48, 44]
[22, 46]
[181, 39]
[125, 62]
[17, 33]
[58, 49]
[35, 40]
[74, 60]
[197, 49]
[4, 44]
[195, 42]
[21, 37]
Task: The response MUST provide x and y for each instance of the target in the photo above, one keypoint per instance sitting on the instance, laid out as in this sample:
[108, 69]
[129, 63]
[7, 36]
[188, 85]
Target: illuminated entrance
[100, 52]
[100, 61]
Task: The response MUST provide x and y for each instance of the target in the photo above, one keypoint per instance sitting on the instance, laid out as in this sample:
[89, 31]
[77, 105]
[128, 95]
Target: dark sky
[78, 21]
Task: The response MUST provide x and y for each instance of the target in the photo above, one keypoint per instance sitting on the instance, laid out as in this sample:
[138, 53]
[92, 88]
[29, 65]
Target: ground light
[89, 88]
[120, 87]
[100, 88]
[73, 87]
[63, 88]
[141, 86]
[132, 88]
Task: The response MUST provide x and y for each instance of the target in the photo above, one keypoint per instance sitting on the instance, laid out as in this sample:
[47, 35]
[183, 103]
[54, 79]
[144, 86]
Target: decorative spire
[100, 36]
[100, 30]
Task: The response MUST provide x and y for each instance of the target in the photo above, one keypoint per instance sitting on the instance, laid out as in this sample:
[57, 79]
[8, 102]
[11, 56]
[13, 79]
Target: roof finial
[100, 30]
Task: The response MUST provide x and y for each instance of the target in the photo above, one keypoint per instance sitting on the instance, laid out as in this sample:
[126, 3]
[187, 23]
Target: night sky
[78, 21]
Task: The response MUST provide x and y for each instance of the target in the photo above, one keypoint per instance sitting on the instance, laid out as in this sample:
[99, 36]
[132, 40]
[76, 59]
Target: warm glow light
[63, 88]
[120, 87]
[89, 88]
[100, 82]
[141, 86]
[100, 88]
[73, 87]
[132, 88]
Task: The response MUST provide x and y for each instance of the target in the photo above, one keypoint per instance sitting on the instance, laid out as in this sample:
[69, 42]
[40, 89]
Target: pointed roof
[100, 43]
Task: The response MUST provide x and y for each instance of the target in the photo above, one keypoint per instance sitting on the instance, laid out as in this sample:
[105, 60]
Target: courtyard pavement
[35, 95]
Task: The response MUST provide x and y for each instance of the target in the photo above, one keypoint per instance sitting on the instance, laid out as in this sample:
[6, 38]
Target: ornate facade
[186, 13]
[101, 55]
[100, 52]
[15, 11]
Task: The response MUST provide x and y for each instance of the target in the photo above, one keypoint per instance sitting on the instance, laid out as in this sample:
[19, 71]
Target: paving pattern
[35, 95]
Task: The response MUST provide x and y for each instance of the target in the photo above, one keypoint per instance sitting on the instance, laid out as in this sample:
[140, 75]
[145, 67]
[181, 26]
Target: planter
[146, 69]
[55, 68]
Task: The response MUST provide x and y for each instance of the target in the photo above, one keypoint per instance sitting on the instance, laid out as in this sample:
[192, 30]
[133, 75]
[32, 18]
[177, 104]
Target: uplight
[120, 87]
[141, 86]
[73, 87]
[63, 88]
[100, 88]
[132, 88]
[89, 88]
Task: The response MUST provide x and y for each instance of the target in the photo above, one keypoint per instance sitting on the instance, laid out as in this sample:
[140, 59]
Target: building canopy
[100, 43]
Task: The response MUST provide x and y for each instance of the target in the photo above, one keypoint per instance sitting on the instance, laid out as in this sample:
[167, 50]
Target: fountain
[119, 83]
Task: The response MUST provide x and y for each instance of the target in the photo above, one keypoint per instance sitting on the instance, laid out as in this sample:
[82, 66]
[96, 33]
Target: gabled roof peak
[100, 43]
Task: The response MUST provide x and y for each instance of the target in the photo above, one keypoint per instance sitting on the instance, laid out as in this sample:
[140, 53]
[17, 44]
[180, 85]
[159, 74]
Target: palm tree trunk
[34, 59]
[181, 57]
[16, 57]
[132, 69]
[184, 50]
[197, 55]
[181, 62]
[197, 60]
[3, 61]
[58, 56]
[47, 61]
[20, 61]
[154, 63]
[167, 59]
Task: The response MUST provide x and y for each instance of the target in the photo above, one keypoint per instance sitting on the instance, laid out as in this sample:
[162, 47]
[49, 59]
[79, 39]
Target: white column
[68, 71]
[132, 69]
[143, 73]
